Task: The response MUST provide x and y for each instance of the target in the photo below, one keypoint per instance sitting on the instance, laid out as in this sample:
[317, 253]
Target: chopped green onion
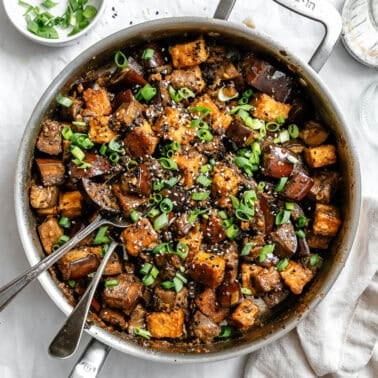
[168, 163]
[116, 146]
[110, 283]
[289, 205]
[206, 168]
[114, 157]
[195, 213]
[245, 164]
[246, 249]
[82, 140]
[134, 216]
[281, 184]
[282, 264]
[226, 223]
[246, 291]
[148, 280]
[244, 107]
[186, 93]
[280, 120]
[200, 196]
[162, 248]
[77, 153]
[181, 277]
[104, 249]
[222, 214]
[166, 205]
[154, 272]
[314, 260]
[153, 213]
[161, 221]
[156, 198]
[48, 4]
[142, 332]
[148, 54]
[67, 133]
[120, 59]
[64, 222]
[81, 164]
[301, 234]
[284, 136]
[203, 180]
[261, 186]
[177, 284]
[232, 232]
[63, 239]
[301, 221]
[101, 237]
[103, 149]
[203, 110]
[71, 283]
[145, 268]
[292, 159]
[225, 333]
[167, 285]
[265, 251]
[293, 131]
[89, 12]
[147, 93]
[205, 135]
[64, 101]
[282, 217]
[182, 250]
[245, 214]
[272, 126]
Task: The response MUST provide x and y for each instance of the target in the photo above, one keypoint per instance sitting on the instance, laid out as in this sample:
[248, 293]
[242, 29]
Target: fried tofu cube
[267, 280]
[268, 109]
[194, 240]
[189, 78]
[173, 126]
[248, 271]
[48, 211]
[327, 220]
[321, 156]
[42, 197]
[51, 170]
[50, 137]
[97, 102]
[189, 54]
[99, 130]
[49, 233]
[79, 262]
[317, 241]
[166, 325]
[70, 204]
[296, 277]
[313, 134]
[244, 315]
[219, 120]
[141, 141]
[207, 269]
[225, 184]
[189, 164]
[139, 236]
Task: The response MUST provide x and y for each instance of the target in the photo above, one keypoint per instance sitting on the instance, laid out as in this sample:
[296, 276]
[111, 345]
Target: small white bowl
[15, 13]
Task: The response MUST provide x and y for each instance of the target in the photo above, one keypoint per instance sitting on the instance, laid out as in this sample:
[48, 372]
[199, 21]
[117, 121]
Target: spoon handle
[67, 339]
[11, 289]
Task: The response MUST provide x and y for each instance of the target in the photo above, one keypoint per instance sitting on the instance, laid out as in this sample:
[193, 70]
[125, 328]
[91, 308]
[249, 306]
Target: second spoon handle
[66, 341]
[10, 290]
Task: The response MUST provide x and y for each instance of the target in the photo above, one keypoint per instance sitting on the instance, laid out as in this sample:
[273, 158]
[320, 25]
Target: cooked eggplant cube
[325, 186]
[49, 233]
[203, 328]
[327, 220]
[127, 113]
[102, 195]
[268, 109]
[298, 185]
[113, 317]
[50, 138]
[70, 204]
[285, 239]
[296, 277]
[244, 316]
[189, 54]
[189, 78]
[137, 180]
[169, 300]
[267, 280]
[51, 170]
[321, 156]
[208, 269]
[99, 165]
[208, 304]
[166, 325]
[277, 162]
[229, 294]
[240, 134]
[313, 134]
[127, 202]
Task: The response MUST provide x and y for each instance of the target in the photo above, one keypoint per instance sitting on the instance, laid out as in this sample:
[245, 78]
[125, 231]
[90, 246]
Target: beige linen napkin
[338, 337]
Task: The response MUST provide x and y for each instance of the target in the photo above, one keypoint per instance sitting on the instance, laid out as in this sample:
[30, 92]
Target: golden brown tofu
[313, 134]
[321, 156]
[225, 184]
[48, 211]
[50, 137]
[317, 241]
[99, 130]
[79, 262]
[194, 240]
[166, 325]
[49, 233]
[327, 220]
[189, 78]
[268, 109]
[43, 197]
[139, 236]
[267, 280]
[219, 120]
[189, 54]
[174, 126]
[296, 277]
[189, 164]
[51, 171]
[70, 204]
[97, 102]
[141, 141]
[244, 315]
[128, 202]
[208, 269]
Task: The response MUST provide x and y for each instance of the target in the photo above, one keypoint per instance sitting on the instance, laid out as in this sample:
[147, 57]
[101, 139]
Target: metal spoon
[66, 341]
[11, 289]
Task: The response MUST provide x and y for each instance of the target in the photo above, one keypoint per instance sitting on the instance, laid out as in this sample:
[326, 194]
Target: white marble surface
[26, 69]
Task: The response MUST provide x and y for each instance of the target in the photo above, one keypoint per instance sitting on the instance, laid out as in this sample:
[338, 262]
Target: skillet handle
[91, 361]
[324, 12]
